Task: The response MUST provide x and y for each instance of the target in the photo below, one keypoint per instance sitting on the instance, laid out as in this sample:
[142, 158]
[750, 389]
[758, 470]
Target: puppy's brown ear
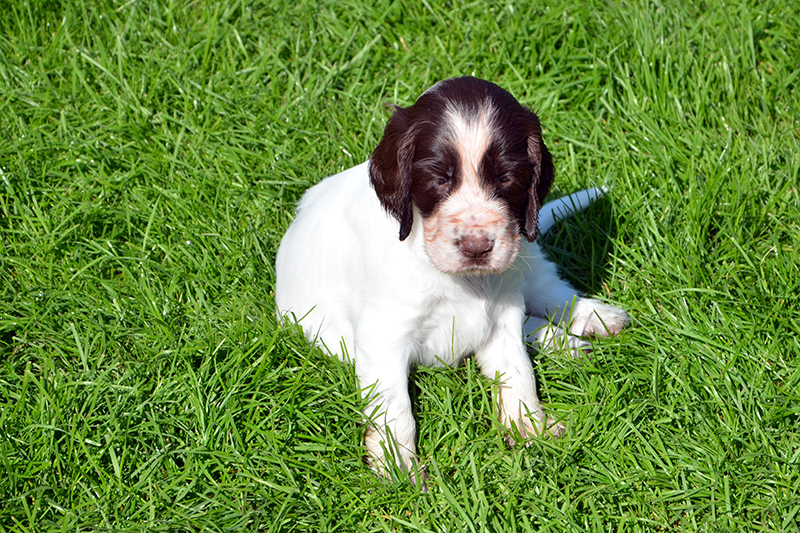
[541, 180]
[390, 169]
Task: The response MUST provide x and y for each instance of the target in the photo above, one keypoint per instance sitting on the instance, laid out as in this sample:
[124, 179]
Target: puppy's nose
[475, 245]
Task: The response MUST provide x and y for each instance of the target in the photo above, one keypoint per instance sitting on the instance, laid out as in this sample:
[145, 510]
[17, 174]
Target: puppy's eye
[445, 179]
[503, 179]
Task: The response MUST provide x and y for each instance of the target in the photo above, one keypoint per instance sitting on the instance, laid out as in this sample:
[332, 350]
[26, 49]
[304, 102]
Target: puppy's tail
[552, 212]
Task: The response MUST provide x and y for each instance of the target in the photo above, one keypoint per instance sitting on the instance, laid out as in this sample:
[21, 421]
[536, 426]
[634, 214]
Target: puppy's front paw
[521, 413]
[592, 318]
[526, 429]
[382, 451]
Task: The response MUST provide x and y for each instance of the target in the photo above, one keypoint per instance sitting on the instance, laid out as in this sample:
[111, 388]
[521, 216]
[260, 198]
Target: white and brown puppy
[425, 254]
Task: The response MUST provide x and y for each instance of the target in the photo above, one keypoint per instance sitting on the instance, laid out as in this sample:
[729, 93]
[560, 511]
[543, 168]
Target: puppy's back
[326, 256]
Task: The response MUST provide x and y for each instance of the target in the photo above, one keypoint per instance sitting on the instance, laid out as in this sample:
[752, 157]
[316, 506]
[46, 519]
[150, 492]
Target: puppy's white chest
[456, 326]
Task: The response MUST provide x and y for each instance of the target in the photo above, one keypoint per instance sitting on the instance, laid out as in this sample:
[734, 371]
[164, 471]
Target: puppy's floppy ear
[390, 169]
[541, 180]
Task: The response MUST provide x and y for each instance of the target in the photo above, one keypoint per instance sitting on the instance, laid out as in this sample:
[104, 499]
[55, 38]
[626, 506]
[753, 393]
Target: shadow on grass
[582, 245]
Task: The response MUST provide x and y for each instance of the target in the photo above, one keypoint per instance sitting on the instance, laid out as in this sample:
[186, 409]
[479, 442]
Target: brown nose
[475, 245]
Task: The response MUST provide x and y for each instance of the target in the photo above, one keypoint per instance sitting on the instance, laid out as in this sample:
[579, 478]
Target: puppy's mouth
[479, 267]
[478, 270]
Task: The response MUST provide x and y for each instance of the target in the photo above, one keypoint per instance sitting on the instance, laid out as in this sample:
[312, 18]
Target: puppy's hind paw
[593, 318]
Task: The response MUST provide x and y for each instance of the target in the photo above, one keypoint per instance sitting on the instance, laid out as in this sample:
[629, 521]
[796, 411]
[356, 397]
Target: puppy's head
[472, 161]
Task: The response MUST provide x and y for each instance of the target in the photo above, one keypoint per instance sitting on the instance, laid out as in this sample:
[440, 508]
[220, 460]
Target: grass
[151, 154]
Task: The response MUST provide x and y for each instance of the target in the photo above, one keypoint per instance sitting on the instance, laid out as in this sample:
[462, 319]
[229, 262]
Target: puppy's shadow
[582, 246]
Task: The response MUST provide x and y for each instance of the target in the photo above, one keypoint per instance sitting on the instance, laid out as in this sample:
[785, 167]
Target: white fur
[369, 297]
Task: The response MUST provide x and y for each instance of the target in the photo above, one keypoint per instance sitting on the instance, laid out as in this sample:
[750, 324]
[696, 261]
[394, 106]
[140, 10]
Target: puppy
[426, 253]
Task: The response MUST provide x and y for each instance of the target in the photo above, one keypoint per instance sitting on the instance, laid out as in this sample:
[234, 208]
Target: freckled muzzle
[476, 239]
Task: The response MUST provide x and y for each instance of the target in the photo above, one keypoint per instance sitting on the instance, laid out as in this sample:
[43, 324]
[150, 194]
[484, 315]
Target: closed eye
[445, 178]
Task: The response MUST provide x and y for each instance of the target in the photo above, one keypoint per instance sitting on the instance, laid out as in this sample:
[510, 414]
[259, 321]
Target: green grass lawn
[151, 154]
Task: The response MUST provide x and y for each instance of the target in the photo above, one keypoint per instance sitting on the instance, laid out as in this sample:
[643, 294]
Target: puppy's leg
[391, 430]
[548, 296]
[390, 435]
[549, 301]
[504, 355]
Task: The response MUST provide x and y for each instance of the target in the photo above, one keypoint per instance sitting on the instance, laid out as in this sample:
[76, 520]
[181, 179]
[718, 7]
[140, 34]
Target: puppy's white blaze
[471, 138]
